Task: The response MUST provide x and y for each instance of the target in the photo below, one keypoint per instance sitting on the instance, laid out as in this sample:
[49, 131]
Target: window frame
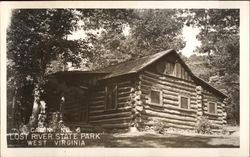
[107, 88]
[188, 100]
[160, 96]
[215, 107]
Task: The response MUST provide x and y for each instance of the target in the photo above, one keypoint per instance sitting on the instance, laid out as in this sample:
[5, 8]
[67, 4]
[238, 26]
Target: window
[169, 68]
[156, 97]
[184, 102]
[165, 67]
[212, 107]
[111, 97]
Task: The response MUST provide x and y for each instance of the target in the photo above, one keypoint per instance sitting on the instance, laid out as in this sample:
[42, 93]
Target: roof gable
[132, 66]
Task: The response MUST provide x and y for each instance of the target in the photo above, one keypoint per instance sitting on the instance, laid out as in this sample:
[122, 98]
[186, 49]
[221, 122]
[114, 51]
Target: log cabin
[158, 87]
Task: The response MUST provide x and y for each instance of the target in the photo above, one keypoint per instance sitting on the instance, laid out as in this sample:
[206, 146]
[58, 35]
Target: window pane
[211, 108]
[155, 97]
[184, 102]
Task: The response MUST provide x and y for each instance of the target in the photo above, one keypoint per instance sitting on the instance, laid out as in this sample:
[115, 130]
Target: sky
[189, 35]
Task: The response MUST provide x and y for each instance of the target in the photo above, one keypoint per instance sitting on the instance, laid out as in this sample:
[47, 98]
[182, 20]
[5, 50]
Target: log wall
[115, 118]
[134, 107]
[170, 111]
[216, 118]
[75, 107]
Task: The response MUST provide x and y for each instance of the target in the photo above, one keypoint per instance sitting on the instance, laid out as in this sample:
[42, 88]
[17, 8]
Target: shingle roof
[132, 66]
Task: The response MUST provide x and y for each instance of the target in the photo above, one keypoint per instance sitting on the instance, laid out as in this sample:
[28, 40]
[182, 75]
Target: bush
[203, 126]
[159, 126]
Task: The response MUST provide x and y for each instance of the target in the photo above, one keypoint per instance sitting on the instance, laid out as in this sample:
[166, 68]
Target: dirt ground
[150, 139]
[154, 140]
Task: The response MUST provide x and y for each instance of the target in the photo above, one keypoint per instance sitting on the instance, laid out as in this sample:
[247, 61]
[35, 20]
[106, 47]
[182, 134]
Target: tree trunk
[36, 104]
[12, 110]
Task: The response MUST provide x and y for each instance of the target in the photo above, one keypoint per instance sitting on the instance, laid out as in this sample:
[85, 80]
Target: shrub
[159, 126]
[203, 125]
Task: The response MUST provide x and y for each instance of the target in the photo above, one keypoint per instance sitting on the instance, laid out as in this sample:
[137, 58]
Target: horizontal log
[219, 111]
[193, 105]
[123, 108]
[99, 102]
[173, 121]
[123, 99]
[180, 126]
[216, 122]
[96, 106]
[151, 112]
[165, 88]
[145, 94]
[193, 102]
[124, 89]
[172, 110]
[170, 102]
[97, 98]
[164, 83]
[193, 98]
[211, 114]
[112, 115]
[92, 112]
[219, 108]
[180, 109]
[112, 120]
[123, 104]
[170, 93]
[171, 98]
[122, 94]
[170, 79]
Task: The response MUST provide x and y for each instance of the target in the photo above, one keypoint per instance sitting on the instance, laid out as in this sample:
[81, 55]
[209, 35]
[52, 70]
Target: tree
[219, 38]
[131, 33]
[37, 41]
[34, 39]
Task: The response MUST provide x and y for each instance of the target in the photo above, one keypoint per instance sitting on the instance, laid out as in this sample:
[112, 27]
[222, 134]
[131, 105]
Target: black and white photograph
[80, 77]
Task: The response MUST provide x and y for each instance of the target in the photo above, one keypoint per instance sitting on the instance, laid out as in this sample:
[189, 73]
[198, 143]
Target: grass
[150, 139]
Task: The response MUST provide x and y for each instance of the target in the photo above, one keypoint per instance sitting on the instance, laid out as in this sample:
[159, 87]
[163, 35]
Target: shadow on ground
[170, 141]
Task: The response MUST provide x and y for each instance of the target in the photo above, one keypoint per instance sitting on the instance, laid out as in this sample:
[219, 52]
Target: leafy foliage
[38, 45]
[203, 125]
[34, 39]
[124, 34]
[219, 38]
